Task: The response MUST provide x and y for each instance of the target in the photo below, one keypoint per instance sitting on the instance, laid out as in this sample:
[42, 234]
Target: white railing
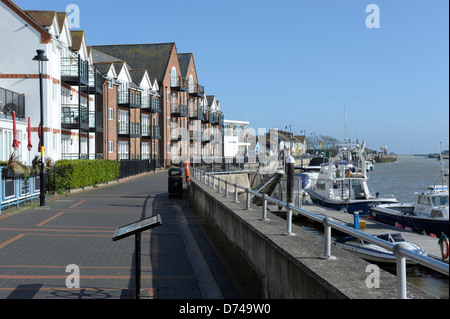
[399, 249]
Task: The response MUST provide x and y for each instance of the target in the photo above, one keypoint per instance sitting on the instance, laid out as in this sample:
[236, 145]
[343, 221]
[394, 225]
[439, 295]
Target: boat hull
[397, 214]
[371, 255]
[362, 206]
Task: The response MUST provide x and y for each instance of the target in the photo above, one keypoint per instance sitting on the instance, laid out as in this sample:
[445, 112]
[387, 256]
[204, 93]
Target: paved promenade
[177, 261]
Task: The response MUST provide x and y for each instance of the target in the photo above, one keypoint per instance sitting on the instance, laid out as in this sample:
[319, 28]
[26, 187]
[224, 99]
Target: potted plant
[15, 168]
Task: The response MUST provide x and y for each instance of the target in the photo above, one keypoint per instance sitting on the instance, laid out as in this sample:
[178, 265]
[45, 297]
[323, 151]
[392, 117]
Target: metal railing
[400, 251]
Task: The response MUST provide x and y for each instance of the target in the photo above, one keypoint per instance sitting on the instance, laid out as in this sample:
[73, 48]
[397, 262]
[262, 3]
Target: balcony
[151, 104]
[155, 105]
[218, 118]
[197, 90]
[156, 132]
[95, 82]
[196, 113]
[130, 129]
[130, 98]
[75, 71]
[12, 102]
[95, 121]
[71, 118]
[179, 110]
[179, 84]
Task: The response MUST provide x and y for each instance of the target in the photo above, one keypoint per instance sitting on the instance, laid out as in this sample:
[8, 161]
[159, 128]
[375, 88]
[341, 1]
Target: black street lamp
[41, 58]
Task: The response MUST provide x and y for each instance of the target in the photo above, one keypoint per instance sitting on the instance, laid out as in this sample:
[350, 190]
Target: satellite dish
[9, 108]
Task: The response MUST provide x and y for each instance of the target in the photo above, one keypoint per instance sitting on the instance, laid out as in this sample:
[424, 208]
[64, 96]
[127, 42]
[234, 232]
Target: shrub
[69, 174]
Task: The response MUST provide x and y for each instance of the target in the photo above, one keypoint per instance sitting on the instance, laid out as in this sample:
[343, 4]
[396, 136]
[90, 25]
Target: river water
[402, 179]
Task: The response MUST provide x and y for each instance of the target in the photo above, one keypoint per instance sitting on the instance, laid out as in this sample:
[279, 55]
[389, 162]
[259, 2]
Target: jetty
[372, 227]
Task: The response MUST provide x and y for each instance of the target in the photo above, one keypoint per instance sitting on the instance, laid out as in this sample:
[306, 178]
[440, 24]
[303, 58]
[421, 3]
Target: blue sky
[297, 62]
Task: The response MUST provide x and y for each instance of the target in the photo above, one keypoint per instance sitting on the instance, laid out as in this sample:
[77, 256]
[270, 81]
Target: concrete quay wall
[287, 267]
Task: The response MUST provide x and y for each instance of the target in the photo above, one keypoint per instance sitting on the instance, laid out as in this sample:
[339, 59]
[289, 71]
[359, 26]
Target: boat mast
[346, 132]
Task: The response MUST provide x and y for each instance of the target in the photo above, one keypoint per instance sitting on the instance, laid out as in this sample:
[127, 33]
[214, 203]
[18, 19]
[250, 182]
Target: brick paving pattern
[37, 244]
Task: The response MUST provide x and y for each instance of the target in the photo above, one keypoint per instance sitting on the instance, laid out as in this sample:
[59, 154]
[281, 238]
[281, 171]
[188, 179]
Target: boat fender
[397, 225]
[443, 242]
[433, 235]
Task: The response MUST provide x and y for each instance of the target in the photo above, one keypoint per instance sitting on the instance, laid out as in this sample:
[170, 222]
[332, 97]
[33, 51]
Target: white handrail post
[226, 188]
[264, 207]
[289, 220]
[327, 251]
[236, 193]
[401, 271]
[218, 185]
[248, 199]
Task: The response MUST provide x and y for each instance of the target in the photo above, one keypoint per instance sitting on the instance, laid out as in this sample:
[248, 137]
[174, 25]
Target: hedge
[70, 174]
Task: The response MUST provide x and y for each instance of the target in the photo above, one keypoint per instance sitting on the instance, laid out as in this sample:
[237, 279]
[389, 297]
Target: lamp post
[41, 58]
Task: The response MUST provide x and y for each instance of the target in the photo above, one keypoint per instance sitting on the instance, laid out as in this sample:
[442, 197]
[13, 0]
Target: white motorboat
[342, 184]
[374, 253]
[311, 172]
[428, 214]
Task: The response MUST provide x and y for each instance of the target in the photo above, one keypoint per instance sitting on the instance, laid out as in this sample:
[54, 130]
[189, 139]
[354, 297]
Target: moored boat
[375, 253]
[342, 184]
[428, 214]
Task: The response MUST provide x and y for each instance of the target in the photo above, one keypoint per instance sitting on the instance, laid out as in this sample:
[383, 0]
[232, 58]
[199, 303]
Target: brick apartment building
[118, 102]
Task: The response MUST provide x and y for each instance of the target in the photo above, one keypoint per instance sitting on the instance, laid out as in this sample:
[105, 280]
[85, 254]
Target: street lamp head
[40, 56]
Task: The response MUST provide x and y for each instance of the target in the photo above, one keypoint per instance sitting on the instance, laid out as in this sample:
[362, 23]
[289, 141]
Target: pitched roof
[45, 35]
[183, 60]
[101, 57]
[137, 75]
[44, 18]
[61, 17]
[153, 57]
[77, 39]
[103, 67]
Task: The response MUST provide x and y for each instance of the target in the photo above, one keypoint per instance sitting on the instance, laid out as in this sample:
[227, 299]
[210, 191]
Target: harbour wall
[278, 266]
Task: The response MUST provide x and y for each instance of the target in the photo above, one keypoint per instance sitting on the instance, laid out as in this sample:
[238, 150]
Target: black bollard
[290, 162]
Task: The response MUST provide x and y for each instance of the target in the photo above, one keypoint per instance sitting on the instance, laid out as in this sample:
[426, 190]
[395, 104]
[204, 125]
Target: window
[123, 122]
[145, 122]
[173, 77]
[145, 150]
[123, 150]
[55, 91]
[55, 142]
[191, 84]
[111, 114]
[110, 146]
[6, 139]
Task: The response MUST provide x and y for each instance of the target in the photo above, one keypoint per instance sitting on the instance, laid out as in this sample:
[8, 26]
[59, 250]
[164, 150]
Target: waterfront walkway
[177, 260]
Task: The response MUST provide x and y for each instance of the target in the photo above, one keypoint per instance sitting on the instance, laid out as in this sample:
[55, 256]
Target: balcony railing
[74, 68]
[12, 102]
[196, 112]
[155, 105]
[132, 129]
[197, 90]
[130, 98]
[70, 114]
[95, 120]
[156, 132]
[179, 110]
[95, 80]
[179, 84]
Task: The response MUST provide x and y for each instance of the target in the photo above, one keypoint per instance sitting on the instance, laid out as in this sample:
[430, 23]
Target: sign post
[136, 229]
